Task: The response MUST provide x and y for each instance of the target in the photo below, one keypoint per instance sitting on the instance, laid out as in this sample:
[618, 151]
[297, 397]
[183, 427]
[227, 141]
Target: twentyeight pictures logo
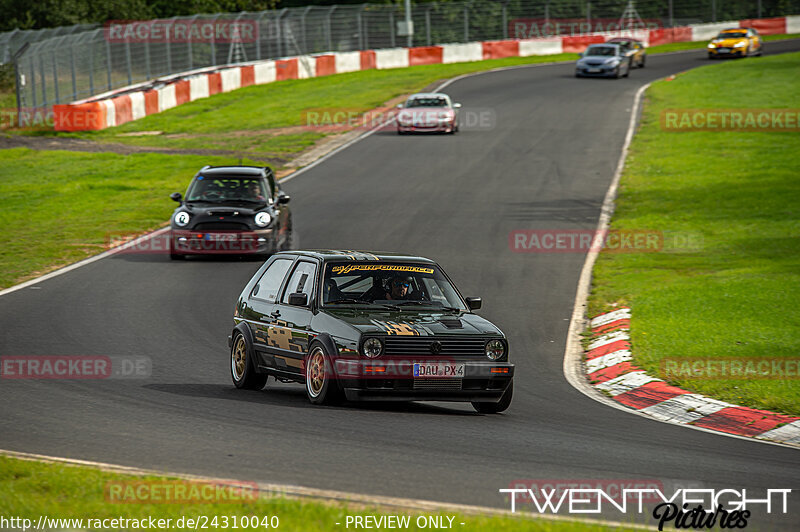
[682, 508]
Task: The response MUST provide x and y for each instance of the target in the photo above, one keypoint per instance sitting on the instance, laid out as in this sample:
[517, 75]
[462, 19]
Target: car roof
[621, 39]
[736, 30]
[346, 255]
[604, 45]
[233, 171]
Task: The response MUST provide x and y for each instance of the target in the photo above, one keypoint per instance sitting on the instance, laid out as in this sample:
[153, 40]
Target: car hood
[224, 209]
[596, 59]
[416, 323]
[728, 43]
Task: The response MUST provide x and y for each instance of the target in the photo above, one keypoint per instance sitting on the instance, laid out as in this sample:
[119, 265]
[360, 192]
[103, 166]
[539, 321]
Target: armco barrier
[136, 102]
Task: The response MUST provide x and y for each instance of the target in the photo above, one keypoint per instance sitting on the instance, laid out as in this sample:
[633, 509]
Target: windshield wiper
[436, 306]
[362, 302]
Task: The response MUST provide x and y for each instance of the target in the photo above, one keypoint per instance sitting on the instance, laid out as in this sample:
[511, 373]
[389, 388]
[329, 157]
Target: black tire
[617, 73]
[627, 71]
[321, 385]
[243, 371]
[499, 406]
[172, 254]
[644, 60]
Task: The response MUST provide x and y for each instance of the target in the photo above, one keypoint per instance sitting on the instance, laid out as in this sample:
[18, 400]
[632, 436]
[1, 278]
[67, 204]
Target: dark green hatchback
[367, 326]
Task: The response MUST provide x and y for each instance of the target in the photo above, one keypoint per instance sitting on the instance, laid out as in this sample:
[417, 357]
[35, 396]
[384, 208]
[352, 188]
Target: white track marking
[290, 491]
[787, 434]
[685, 408]
[625, 383]
[606, 361]
[607, 339]
[611, 317]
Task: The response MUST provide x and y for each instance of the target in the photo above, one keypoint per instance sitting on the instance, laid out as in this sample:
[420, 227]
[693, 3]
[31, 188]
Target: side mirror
[457, 106]
[176, 196]
[298, 299]
[283, 198]
[474, 303]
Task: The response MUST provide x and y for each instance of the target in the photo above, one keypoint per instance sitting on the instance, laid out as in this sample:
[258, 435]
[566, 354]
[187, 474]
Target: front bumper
[601, 71]
[390, 380]
[731, 52]
[222, 242]
[442, 127]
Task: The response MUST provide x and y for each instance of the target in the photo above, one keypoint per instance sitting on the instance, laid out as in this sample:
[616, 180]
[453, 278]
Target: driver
[254, 191]
[399, 287]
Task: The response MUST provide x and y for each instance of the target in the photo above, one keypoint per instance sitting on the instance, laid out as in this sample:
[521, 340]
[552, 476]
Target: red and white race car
[428, 112]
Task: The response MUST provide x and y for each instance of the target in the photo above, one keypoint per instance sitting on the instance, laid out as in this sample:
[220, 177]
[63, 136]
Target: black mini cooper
[231, 209]
[365, 326]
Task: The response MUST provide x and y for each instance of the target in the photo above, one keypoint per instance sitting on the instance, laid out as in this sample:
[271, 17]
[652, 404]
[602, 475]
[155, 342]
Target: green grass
[734, 292]
[58, 207]
[32, 489]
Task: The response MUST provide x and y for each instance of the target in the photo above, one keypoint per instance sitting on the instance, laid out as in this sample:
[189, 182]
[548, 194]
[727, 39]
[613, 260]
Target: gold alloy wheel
[239, 358]
[315, 372]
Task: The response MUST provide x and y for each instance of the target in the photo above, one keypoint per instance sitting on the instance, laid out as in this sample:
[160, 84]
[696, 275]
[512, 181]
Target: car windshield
[221, 189]
[601, 51]
[396, 284]
[736, 35]
[427, 102]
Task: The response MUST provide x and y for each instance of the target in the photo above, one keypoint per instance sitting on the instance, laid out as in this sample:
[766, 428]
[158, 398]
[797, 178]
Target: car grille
[437, 384]
[421, 346]
[221, 226]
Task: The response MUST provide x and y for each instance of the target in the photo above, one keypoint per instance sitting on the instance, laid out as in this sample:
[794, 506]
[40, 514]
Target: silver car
[427, 112]
[603, 60]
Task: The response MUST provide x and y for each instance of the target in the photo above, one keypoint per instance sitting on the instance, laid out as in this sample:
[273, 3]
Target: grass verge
[734, 197]
[58, 207]
[30, 490]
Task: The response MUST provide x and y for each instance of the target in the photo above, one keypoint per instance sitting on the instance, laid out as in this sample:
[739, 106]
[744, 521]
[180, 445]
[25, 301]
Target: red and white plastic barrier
[133, 103]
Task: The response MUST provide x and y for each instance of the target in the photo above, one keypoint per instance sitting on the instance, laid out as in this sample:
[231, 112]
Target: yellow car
[735, 42]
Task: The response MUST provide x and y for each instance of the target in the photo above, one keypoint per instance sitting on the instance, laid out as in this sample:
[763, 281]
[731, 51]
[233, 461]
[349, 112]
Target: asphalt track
[545, 163]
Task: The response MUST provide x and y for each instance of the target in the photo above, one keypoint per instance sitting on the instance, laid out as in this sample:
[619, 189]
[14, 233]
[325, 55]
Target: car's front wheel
[499, 406]
[243, 370]
[321, 386]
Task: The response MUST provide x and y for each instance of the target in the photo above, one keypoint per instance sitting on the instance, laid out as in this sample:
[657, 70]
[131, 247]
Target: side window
[267, 287]
[302, 281]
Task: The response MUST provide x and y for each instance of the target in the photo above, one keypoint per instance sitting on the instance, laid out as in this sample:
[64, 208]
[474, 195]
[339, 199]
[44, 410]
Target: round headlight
[495, 349]
[372, 348]
[182, 218]
[263, 219]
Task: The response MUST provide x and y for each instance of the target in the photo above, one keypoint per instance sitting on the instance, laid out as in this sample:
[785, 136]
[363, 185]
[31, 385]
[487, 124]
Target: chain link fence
[74, 64]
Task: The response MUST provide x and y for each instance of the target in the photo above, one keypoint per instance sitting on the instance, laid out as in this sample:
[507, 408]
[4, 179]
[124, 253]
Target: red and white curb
[609, 368]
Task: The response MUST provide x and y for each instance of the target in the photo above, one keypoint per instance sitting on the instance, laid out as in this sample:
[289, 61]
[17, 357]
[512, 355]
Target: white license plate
[439, 370]
[593, 70]
[723, 50]
[221, 237]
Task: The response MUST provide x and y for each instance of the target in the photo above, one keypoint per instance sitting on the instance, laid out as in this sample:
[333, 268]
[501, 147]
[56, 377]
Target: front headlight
[495, 349]
[263, 219]
[740, 44]
[712, 45]
[182, 218]
[372, 348]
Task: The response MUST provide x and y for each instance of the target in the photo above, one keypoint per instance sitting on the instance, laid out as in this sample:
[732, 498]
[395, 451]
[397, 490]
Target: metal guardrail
[74, 64]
